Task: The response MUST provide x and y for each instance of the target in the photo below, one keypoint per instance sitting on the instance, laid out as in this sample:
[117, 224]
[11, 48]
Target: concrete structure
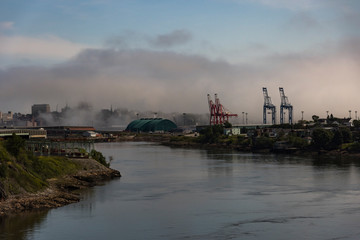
[68, 148]
[26, 133]
[36, 109]
[232, 131]
[6, 117]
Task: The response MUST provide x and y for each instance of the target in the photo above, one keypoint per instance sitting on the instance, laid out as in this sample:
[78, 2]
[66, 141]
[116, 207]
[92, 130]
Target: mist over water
[84, 114]
[171, 193]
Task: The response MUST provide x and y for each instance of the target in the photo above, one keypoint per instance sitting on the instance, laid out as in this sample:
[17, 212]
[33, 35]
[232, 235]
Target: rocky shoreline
[61, 191]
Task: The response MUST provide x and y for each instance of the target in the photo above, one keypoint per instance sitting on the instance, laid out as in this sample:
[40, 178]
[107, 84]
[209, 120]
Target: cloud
[40, 47]
[127, 39]
[288, 4]
[138, 79]
[6, 25]
[176, 37]
[303, 22]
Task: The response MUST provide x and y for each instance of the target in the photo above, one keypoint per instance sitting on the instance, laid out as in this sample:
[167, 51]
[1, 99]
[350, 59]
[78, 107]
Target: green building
[151, 125]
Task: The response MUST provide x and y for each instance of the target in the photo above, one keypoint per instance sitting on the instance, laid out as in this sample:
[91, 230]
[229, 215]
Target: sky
[167, 55]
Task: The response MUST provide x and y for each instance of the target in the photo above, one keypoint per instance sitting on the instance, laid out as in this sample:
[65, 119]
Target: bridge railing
[70, 148]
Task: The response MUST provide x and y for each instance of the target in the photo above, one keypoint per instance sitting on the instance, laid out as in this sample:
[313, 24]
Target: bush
[298, 142]
[352, 147]
[15, 144]
[322, 138]
[99, 157]
[263, 143]
[211, 134]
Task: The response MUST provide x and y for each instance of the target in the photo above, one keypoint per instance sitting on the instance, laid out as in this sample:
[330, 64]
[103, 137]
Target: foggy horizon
[147, 57]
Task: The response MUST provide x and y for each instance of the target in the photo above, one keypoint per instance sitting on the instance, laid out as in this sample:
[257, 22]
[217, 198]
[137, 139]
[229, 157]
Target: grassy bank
[22, 172]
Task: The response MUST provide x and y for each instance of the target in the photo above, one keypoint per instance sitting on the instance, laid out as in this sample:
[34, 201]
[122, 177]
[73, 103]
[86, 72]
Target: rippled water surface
[168, 193]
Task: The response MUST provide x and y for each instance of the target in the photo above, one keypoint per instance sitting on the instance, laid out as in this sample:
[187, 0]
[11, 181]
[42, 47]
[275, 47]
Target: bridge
[69, 148]
[25, 133]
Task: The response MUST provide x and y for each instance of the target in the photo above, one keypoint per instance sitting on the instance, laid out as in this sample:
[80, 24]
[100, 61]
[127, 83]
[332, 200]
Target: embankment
[61, 190]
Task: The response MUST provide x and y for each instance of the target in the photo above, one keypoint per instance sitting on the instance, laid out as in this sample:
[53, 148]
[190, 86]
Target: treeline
[318, 138]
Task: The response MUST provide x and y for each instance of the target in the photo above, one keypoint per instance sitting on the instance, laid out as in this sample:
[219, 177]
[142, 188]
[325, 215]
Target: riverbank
[226, 144]
[62, 190]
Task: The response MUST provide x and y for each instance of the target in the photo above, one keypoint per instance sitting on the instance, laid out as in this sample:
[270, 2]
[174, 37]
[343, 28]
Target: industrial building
[36, 109]
[151, 125]
[68, 131]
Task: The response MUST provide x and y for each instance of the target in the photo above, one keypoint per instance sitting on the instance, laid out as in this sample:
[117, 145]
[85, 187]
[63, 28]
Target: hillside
[32, 182]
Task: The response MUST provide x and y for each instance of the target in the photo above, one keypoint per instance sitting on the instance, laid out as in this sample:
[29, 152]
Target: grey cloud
[140, 80]
[127, 39]
[303, 22]
[177, 37]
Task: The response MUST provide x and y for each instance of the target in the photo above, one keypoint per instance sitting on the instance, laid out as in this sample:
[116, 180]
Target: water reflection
[21, 226]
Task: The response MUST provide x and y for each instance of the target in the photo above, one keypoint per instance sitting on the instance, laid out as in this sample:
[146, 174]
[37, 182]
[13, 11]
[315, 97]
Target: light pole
[246, 118]
[302, 115]
[349, 113]
[243, 117]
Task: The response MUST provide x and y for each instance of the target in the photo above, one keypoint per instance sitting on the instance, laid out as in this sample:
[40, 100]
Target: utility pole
[243, 117]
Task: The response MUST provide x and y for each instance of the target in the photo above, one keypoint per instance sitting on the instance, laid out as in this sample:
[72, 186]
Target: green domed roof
[151, 125]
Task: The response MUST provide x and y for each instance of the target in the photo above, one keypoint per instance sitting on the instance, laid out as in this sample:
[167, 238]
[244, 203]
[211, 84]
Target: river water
[172, 193]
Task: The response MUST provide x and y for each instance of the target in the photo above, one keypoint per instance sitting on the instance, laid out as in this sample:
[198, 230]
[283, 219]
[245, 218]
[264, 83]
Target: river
[173, 193]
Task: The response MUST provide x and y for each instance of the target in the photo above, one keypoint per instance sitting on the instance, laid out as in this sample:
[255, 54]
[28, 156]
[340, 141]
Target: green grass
[28, 173]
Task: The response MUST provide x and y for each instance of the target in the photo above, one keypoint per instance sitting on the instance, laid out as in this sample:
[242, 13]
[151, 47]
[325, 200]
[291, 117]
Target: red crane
[218, 113]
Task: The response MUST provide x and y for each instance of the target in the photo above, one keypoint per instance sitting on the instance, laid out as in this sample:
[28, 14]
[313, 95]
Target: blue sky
[233, 45]
[218, 28]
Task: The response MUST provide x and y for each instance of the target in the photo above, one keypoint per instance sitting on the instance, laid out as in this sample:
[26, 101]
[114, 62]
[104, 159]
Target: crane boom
[268, 105]
[218, 113]
[285, 104]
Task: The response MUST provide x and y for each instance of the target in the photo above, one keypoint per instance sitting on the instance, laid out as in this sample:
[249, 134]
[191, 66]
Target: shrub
[211, 134]
[263, 142]
[298, 142]
[99, 157]
[322, 138]
[15, 144]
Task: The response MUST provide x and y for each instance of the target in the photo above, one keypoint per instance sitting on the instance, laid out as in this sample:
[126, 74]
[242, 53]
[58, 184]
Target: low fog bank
[84, 114]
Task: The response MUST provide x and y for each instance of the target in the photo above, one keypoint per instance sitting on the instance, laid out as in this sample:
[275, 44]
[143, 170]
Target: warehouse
[151, 125]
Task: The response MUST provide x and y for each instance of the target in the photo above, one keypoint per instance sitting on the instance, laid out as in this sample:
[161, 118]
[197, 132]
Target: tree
[211, 134]
[227, 125]
[263, 143]
[315, 118]
[338, 139]
[347, 135]
[356, 123]
[15, 144]
[322, 138]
